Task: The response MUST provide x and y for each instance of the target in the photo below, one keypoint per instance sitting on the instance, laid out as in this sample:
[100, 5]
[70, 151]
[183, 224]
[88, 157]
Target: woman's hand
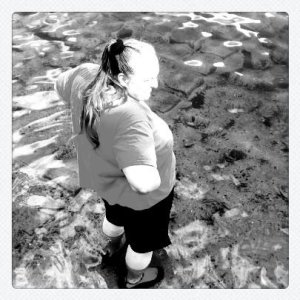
[142, 178]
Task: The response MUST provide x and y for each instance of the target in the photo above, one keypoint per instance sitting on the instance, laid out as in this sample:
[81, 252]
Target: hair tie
[117, 47]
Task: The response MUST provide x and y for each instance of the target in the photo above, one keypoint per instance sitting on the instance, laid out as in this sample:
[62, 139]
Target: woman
[124, 151]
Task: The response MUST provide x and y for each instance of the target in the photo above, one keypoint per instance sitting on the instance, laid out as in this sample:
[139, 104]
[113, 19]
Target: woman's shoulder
[134, 111]
[88, 67]
[128, 114]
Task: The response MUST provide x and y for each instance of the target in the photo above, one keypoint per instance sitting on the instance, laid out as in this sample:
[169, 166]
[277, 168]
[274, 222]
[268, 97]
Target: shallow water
[223, 90]
[45, 44]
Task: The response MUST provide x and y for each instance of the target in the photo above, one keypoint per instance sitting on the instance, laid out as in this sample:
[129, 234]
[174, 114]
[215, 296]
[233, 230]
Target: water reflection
[194, 63]
[232, 44]
[222, 19]
[60, 28]
[36, 44]
[49, 78]
[71, 32]
[93, 24]
[219, 64]
[25, 36]
[188, 25]
[55, 28]
[237, 73]
[206, 34]
[264, 40]
[72, 39]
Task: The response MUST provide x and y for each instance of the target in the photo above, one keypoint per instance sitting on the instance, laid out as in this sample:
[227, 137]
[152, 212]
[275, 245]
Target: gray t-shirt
[130, 134]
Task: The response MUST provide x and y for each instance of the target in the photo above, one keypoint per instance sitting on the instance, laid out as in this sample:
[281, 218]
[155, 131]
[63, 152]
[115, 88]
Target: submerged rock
[162, 28]
[198, 100]
[179, 78]
[45, 202]
[187, 143]
[124, 33]
[186, 189]
[180, 49]
[253, 80]
[189, 118]
[260, 60]
[163, 101]
[217, 48]
[203, 63]
[65, 177]
[226, 33]
[257, 59]
[280, 54]
[234, 155]
[233, 62]
[186, 35]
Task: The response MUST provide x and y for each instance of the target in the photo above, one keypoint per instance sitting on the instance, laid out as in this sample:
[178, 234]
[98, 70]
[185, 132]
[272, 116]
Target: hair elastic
[117, 47]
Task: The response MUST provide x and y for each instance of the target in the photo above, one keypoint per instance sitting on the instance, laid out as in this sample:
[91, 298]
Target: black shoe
[149, 277]
[113, 250]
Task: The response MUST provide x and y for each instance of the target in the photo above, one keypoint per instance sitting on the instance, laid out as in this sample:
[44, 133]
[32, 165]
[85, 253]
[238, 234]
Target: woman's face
[144, 77]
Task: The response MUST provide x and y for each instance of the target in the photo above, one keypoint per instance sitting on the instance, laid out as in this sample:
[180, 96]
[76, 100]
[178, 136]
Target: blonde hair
[102, 92]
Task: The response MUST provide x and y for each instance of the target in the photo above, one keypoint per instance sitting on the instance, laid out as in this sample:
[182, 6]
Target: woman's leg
[110, 229]
[114, 236]
[136, 264]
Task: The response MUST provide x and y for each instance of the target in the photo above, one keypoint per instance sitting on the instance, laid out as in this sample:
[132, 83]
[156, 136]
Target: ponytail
[97, 95]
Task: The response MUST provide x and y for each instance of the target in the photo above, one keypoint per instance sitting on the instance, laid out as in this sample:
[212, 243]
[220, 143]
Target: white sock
[137, 261]
[110, 229]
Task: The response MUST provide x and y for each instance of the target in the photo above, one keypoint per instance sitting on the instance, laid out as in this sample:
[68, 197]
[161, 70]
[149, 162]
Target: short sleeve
[134, 145]
[63, 85]
[74, 79]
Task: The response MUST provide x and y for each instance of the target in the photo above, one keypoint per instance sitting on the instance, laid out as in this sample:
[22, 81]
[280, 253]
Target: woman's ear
[123, 80]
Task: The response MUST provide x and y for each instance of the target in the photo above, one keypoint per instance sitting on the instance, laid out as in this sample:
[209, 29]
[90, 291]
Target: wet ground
[223, 90]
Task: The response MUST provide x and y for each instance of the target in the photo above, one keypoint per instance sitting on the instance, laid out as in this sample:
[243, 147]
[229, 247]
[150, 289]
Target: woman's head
[133, 67]
[128, 68]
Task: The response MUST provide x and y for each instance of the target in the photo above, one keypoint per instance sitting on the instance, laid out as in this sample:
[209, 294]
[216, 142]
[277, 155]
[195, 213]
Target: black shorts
[145, 230]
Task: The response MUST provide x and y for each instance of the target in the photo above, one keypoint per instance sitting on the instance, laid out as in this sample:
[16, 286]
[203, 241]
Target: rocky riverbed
[223, 90]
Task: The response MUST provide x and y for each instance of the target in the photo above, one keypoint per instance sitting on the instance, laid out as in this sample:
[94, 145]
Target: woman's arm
[142, 178]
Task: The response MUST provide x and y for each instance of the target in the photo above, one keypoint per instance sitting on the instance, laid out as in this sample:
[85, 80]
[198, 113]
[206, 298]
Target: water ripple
[232, 44]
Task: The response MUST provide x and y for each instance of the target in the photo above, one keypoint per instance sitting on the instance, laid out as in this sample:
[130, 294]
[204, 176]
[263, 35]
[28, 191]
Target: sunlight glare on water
[32, 148]
[232, 44]
[70, 32]
[269, 15]
[31, 87]
[72, 39]
[36, 44]
[147, 18]
[46, 22]
[219, 64]
[56, 26]
[264, 40]
[222, 19]
[51, 76]
[64, 48]
[162, 21]
[189, 25]
[93, 24]
[194, 63]
[238, 73]
[206, 34]
[25, 36]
